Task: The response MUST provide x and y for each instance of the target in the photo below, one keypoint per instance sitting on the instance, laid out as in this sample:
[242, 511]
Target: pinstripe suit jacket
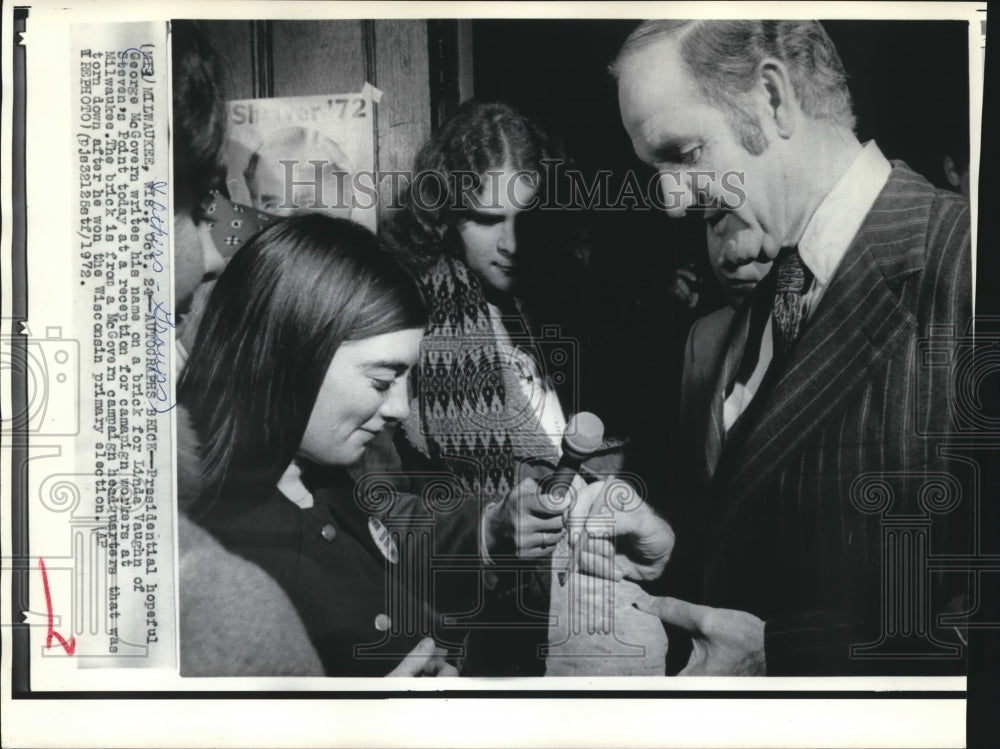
[808, 513]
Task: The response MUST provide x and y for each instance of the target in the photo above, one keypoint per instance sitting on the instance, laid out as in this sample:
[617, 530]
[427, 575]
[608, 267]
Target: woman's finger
[681, 290]
[414, 662]
[547, 505]
[443, 668]
[550, 525]
[536, 551]
[523, 497]
[438, 666]
[543, 540]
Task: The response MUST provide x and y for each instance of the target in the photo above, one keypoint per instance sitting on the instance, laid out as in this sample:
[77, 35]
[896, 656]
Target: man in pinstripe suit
[824, 433]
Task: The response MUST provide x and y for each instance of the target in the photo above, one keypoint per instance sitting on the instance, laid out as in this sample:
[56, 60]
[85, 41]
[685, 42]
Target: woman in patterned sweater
[499, 373]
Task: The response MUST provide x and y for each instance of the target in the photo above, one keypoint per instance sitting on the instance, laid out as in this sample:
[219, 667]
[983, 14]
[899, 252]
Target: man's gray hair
[723, 57]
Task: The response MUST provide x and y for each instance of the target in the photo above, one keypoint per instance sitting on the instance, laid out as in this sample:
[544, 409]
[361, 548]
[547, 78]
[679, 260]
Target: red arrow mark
[69, 647]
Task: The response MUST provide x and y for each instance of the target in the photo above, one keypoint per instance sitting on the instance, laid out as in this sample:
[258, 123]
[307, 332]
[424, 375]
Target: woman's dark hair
[274, 321]
[199, 122]
[479, 137]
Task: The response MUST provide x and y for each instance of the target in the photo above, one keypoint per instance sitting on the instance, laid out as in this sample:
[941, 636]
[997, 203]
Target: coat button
[328, 533]
[382, 623]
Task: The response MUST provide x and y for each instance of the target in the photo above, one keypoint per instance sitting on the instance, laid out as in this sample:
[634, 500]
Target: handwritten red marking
[69, 647]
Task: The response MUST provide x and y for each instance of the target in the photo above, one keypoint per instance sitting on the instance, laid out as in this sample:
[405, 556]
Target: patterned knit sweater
[472, 410]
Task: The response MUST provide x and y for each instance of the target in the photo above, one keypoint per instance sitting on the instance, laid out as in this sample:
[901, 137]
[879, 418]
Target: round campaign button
[383, 540]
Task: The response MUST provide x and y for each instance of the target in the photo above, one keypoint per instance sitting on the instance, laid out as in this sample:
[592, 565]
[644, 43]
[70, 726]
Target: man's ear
[778, 97]
[954, 178]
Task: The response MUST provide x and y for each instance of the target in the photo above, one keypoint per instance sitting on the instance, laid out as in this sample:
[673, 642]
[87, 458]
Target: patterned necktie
[792, 279]
[782, 291]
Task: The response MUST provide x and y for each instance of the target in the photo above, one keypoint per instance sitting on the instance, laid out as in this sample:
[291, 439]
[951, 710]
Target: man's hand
[526, 522]
[726, 642]
[685, 287]
[621, 535]
[426, 659]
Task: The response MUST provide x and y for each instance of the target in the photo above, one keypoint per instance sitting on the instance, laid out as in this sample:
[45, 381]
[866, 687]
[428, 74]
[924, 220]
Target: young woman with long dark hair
[300, 362]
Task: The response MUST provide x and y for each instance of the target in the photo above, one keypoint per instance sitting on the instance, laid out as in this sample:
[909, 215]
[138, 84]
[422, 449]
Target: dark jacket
[837, 489]
[359, 565]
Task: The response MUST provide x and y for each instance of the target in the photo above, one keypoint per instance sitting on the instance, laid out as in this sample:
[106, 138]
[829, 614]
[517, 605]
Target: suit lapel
[714, 428]
[858, 324]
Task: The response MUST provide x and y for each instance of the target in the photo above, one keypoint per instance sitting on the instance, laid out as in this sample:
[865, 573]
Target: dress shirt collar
[840, 214]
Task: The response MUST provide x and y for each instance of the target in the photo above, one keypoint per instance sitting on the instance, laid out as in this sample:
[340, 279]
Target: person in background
[703, 349]
[199, 128]
[208, 228]
[956, 170]
[495, 386]
[949, 143]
